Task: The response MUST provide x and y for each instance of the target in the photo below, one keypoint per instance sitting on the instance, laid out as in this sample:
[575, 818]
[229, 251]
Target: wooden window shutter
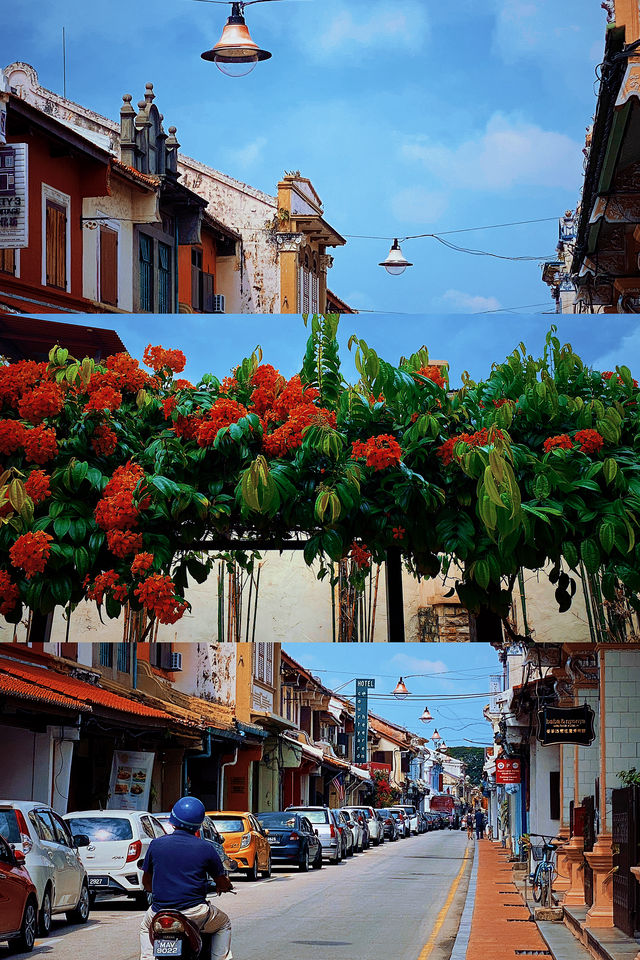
[269, 663]
[56, 242]
[208, 288]
[108, 266]
[8, 261]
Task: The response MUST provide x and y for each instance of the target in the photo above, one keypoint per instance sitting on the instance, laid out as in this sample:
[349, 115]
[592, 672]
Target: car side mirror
[19, 857]
[81, 840]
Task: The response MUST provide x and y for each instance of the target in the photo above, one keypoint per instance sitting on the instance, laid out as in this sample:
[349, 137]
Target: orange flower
[432, 373]
[107, 581]
[40, 444]
[105, 398]
[360, 554]
[12, 435]
[563, 441]
[398, 533]
[104, 440]
[123, 542]
[37, 486]
[31, 551]
[9, 593]
[222, 414]
[590, 441]
[141, 563]
[158, 594]
[160, 359]
[44, 400]
[116, 509]
[379, 452]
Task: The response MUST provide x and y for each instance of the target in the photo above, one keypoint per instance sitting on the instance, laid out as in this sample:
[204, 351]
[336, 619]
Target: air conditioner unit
[218, 303]
[176, 661]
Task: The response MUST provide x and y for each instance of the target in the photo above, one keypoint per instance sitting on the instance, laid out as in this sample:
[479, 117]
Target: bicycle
[542, 878]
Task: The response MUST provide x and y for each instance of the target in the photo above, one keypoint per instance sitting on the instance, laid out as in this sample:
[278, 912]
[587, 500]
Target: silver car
[51, 857]
[325, 824]
[376, 829]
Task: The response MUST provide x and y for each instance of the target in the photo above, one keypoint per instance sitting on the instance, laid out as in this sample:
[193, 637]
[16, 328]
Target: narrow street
[376, 905]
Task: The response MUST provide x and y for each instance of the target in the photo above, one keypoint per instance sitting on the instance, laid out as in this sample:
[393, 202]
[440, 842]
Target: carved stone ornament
[583, 667]
[326, 261]
[289, 242]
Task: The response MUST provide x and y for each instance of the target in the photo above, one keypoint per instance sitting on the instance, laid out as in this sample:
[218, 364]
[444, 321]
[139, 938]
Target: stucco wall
[622, 714]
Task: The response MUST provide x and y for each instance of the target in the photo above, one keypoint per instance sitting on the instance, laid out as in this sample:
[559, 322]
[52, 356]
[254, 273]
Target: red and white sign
[508, 771]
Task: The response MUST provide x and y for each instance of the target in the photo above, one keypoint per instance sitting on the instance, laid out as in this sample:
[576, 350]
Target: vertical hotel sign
[14, 216]
[362, 719]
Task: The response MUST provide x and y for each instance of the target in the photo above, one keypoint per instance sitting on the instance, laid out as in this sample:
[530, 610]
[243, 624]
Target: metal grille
[124, 657]
[626, 840]
[164, 278]
[105, 654]
[146, 273]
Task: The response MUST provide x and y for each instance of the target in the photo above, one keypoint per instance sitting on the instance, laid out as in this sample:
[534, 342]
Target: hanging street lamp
[395, 264]
[426, 716]
[236, 54]
[401, 692]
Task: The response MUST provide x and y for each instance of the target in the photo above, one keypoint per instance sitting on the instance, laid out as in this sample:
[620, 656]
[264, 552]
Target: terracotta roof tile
[23, 690]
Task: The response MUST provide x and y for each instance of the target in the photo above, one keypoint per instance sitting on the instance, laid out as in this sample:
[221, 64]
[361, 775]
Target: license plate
[167, 948]
[98, 881]
[273, 839]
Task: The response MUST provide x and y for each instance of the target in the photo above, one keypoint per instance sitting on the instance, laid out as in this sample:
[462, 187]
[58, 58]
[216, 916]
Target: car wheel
[44, 919]
[303, 866]
[24, 943]
[252, 873]
[266, 873]
[317, 863]
[80, 914]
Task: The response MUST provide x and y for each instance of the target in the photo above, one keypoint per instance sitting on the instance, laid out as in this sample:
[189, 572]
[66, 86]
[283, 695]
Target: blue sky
[215, 343]
[408, 116]
[451, 668]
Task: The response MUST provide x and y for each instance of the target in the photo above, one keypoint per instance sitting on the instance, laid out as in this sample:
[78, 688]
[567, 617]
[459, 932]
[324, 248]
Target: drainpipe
[229, 763]
[134, 653]
[204, 755]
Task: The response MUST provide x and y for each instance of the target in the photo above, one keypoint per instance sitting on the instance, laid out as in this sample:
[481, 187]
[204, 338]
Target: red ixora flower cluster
[116, 512]
[289, 436]
[590, 441]
[124, 373]
[608, 374]
[104, 397]
[37, 486]
[563, 442]
[124, 542]
[16, 378]
[360, 554]
[433, 373]
[158, 594]
[40, 445]
[222, 414]
[12, 435]
[379, 452]
[478, 439]
[44, 400]
[104, 440]
[141, 563]
[31, 551]
[9, 593]
[160, 359]
[107, 581]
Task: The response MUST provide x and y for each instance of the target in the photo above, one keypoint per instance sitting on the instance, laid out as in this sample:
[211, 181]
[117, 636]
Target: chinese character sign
[14, 222]
[362, 719]
[566, 725]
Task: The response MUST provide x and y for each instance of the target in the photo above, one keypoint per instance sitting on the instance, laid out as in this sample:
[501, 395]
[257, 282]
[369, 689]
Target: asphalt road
[377, 905]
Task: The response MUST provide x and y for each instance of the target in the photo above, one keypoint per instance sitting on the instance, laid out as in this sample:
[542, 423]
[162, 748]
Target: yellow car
[245, 841]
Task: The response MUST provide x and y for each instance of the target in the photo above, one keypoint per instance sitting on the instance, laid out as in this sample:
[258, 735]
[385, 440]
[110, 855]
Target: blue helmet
[187, 813]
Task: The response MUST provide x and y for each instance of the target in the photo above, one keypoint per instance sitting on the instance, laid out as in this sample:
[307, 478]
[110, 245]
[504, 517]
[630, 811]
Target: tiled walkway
[500, 926]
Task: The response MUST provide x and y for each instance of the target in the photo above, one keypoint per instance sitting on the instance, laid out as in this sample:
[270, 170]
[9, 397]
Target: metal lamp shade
[426, 716]
[235, 53]
[401, 692]
[395, 264]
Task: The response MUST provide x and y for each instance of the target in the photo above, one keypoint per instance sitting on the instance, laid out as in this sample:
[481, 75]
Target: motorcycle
[174, 935]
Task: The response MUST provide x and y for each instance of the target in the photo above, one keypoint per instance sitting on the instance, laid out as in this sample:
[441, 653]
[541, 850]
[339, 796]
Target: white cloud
[250, 154]
[532, 28]
[626, 352]
[372, 25]
[456, 301]
[418, 665]
[418, 205]
[510, 151]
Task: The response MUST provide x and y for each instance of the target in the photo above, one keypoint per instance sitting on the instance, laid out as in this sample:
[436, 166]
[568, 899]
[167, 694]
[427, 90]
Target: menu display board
[130, 783]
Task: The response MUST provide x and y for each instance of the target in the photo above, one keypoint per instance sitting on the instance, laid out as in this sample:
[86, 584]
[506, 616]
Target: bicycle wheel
[537, 885]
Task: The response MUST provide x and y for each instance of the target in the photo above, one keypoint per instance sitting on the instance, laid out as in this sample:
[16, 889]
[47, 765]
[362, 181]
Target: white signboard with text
[14, 182]
[130, 784]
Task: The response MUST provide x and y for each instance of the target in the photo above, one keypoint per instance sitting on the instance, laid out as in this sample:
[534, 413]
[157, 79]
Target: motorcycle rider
[175, 872]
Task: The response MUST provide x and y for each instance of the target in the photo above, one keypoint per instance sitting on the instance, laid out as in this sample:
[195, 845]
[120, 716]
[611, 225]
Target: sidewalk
[501, 928]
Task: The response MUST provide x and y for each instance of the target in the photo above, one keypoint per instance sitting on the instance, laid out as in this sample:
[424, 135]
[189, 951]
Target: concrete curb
[459, 951]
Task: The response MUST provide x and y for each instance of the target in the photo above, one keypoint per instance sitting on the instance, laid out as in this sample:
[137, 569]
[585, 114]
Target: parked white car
[51, 857]
[376, 829]
[118, 843]
[411, 813]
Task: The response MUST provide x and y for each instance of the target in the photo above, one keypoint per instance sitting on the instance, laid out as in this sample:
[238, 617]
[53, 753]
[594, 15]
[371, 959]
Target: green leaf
[609, 469]
[607, 534]
[482, 574]
[61, 527]
[332, 544]
[570, 554]
[590, 555]
[541, 487]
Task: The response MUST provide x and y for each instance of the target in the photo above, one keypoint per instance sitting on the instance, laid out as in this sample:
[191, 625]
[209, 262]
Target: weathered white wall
[208, 671]
[25, 762]
[543, 618]
[543, 760]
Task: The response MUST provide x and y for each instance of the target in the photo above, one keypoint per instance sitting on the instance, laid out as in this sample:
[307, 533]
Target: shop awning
[360, 773]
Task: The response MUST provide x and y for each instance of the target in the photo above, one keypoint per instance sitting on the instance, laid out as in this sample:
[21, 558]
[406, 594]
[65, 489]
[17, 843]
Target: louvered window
[164, 278]
[56, 245]
[197, 292]
[146, 273]
[108, 266]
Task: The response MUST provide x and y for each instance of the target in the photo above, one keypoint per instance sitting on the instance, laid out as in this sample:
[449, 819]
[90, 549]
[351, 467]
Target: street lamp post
[236, 54]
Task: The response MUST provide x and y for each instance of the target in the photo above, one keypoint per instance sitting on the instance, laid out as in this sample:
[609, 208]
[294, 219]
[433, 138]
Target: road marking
[431, 942]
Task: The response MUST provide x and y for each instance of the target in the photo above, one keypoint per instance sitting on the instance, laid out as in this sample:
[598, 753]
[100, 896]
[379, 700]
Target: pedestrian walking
[469, 826]
[479, 824]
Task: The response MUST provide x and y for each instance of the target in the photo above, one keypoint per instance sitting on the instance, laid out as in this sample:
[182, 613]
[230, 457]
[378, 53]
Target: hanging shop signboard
[362, 719]
[566, 725]
[14, 217]
[508, 770]
[130, 784]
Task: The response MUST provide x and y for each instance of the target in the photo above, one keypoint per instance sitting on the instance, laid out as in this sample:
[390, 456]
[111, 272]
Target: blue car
[292, 839]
